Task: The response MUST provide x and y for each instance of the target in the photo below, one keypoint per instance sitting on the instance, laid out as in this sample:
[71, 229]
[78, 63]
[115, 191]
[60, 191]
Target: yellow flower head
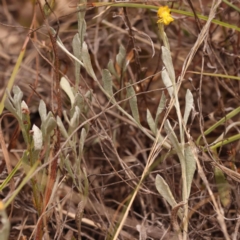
[164, 15]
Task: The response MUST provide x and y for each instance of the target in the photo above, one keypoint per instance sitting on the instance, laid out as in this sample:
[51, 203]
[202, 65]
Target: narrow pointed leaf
[61, 45]
[68, 165]
[172, 136]
[121, 57]
[17, 99]
[165, 191]
[167, 60]
[81, 22]
[67, 89]
[87, 61]
[223, 186]
[188, 105]
[111, 68]
[77, 50]
[190, 167]
[107, 82]
[76, 44]
[160, 108]
[9, 106]
[82, 141]
[79, 101]
[61, 127]
[133, 102]
[167, 81]
[74, 121]
[50, 125]
[151, 122]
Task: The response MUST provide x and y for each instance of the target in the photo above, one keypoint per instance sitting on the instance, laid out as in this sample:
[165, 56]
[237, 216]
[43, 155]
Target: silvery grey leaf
[188, 105]
[76, 44]
[151, 122]
[164, 190]
[87, 61]
[190, 167]
[107, 82]
[111, 68]
[62, 128]
[42, 110]
[161, 107]
[37, 138]
[121, 57]
[67, 89]
[167, 81]
[133, 102]
[167, 60]
[74, 121]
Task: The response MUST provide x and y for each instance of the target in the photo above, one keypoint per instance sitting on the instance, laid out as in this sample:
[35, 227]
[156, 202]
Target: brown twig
[53, 166]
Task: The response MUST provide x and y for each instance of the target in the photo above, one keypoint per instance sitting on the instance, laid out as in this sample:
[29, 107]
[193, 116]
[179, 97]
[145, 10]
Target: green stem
[163, 35]
[151, 7]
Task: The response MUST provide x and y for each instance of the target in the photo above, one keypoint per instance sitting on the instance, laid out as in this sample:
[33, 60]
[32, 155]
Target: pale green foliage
[184, 151]
[107, 82]
[133, 102]
[223, 186]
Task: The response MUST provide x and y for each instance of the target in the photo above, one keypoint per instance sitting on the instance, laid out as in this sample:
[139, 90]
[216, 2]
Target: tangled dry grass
[90, 203]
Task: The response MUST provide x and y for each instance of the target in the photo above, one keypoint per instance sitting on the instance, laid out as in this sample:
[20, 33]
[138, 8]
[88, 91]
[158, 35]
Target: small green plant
[55, 150]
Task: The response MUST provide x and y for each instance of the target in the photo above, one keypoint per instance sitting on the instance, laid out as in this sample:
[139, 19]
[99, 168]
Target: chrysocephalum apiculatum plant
[185, 151]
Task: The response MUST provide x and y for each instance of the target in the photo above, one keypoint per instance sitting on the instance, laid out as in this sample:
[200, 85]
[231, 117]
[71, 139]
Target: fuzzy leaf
[61, 45]
[167, 81]
[79, 101]
[14, 104]
[67, 89]
[188, 105]
[37, 137]
[121, 57]
[107, 82]
[81, 23]
[190, 167]
[9, 106]
[61, 127]
[17, 94]
[68, 165]
[49, 125]
[165, 191]
[167, 60]
[42, 110]
[151, 122]
[160, 108]
[75, 118]
[82, 141]
[111, 68]
[76, 45]
[171, 135]
[223, 186]
[87, 61]
[17, 99]
[133, 102]
[24, 106]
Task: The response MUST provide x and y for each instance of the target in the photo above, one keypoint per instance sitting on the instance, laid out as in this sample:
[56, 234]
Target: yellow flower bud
[164, 15]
